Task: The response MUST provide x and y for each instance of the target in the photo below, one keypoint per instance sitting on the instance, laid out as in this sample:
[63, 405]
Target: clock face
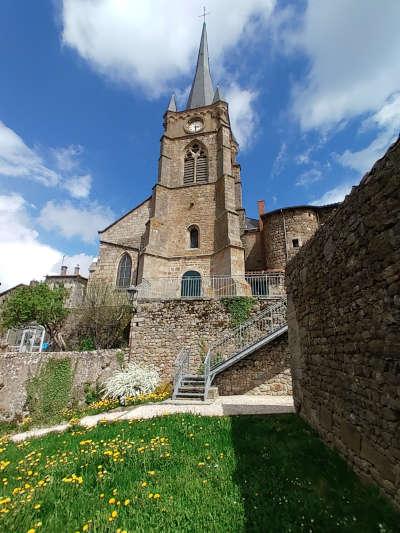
[195, 125]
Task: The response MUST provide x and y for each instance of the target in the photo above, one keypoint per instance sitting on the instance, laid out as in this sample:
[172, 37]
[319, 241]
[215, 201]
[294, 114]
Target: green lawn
[186, 473]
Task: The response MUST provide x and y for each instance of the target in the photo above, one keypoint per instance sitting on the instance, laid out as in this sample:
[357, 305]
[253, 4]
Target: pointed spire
[217, 95]
[202, 90]
[172, 104]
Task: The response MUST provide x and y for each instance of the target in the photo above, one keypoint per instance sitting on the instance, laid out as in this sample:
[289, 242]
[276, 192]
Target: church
[191, 236]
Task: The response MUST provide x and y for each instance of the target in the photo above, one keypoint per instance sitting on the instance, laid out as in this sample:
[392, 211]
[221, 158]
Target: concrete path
[222, 406]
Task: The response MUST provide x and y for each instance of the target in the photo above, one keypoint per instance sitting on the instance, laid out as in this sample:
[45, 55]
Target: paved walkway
[222, 406]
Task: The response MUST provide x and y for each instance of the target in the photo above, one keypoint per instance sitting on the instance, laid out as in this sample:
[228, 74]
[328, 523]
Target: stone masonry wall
[162, 328]
[344, 326]
[16, 369]
[265, 371]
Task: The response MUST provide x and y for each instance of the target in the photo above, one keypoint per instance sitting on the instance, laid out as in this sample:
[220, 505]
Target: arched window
[193, 237]
[191, 284]
[124, 272]
[196, 165]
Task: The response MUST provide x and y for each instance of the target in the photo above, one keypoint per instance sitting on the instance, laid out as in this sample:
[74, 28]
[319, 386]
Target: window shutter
[195, 166]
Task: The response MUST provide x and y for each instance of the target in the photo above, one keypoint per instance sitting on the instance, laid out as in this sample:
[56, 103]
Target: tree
[105, 316]
[39, 304]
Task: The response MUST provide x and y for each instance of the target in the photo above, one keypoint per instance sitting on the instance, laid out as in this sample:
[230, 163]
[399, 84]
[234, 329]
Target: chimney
[76, 270]
[64, 270]
[261, 207]
[261, 211]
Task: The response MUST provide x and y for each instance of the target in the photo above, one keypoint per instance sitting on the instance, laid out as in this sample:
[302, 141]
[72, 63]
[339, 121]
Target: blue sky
[313, 89]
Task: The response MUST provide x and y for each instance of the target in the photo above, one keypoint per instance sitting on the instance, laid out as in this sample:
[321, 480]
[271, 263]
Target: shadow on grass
[290, 481]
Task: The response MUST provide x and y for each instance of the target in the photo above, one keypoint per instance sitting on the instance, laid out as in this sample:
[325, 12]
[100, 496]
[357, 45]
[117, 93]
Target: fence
[268, 285]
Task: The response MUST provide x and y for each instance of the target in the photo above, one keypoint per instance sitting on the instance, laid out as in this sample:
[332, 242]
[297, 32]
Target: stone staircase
[191, 387]
[256, 332]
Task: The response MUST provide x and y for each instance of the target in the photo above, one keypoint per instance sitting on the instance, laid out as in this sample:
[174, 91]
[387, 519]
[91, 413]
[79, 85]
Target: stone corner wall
[344, 327]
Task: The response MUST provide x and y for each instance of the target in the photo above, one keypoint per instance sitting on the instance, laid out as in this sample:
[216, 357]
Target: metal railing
[182, 366]
[250, 332]
[207, 374]
[266, 285]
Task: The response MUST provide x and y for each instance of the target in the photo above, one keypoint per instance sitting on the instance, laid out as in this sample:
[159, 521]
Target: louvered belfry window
[196, 165]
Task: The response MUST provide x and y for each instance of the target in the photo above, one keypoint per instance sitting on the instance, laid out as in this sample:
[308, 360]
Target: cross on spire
[204, 14]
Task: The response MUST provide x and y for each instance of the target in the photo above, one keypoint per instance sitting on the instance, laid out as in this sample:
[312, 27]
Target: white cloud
[309, 177]
[71, 221]
[152, 43]
[280, 160]
[387, 121]
[78, 186]
[22, 256]
[18, 160]
[242, 113]
[334, 195]
[67, 158]
[353, 48]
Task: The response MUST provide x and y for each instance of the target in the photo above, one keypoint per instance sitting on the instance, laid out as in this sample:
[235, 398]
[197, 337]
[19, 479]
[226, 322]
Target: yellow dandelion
[111, 501]
[127, 501]
[114, 514]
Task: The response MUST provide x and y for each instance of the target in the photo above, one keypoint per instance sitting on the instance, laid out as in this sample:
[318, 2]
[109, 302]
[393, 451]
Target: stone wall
[266, 371]
[16, 369]
[162, 328]
[344, 326]
[123, 236]
[254, 256]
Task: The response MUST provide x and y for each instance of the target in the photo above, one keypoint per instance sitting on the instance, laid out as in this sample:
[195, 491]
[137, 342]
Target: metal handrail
[182, 364]
[253, 330]
[207, 373]
[269, 285]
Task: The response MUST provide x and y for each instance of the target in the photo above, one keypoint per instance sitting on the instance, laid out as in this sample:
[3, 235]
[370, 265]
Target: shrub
[105, 316]
[50, 391]
[86, 344]
[133, 380]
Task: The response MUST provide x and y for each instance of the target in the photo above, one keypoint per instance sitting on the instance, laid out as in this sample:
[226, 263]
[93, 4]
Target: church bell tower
[196, 214]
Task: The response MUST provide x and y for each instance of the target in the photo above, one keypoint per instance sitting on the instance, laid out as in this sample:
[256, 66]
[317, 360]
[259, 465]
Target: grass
[74, 414]
[185, 473]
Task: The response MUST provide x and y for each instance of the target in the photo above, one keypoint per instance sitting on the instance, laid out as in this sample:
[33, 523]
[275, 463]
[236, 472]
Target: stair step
[191, 387]
[190, 394]
[191, 382]
[193, 378]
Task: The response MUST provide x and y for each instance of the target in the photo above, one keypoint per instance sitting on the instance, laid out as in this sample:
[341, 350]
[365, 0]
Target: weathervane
[204, 14]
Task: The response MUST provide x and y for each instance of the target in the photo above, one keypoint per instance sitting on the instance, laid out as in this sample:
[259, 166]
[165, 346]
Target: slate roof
[202, 91]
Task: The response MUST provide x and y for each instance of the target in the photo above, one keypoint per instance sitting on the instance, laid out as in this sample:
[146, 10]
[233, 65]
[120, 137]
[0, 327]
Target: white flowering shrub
[134, 379]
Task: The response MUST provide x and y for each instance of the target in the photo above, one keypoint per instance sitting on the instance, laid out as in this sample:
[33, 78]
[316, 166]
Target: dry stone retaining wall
[344, 326]
[162, 328]
[266, 371]
[16, 369]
